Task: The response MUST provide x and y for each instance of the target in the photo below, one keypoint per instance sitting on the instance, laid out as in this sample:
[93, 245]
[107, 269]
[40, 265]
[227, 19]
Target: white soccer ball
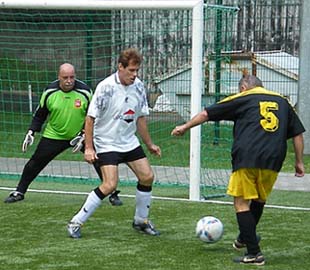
[209, 229]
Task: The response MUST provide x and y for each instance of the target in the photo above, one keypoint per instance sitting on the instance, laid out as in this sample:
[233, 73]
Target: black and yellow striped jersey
[263, 121]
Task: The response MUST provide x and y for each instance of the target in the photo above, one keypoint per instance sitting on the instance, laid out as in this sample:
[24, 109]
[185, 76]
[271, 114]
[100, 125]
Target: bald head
[66, 77]
[248, 82]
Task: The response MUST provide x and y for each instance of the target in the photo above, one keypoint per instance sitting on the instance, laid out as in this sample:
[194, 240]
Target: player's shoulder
[82, 85]
[54, 85]
[105, 81]
[139, 85]
[257, 93]
[262, 93]
[51, 88]
[106, 84]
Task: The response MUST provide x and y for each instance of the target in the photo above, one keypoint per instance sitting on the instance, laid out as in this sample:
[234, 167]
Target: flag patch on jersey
[129, 116]
[77, 103]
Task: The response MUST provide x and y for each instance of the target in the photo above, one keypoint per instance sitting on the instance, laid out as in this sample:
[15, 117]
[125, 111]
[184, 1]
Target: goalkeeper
[64, 103]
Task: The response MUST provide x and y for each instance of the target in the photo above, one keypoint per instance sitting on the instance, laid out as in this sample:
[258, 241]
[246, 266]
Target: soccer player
[263, 122]
[117, 111]
[64, 103]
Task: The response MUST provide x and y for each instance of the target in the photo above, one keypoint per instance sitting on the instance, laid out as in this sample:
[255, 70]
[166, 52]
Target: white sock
[88, 208]
[143, 203]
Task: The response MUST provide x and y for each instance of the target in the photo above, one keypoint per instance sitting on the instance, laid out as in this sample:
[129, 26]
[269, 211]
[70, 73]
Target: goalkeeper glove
[29, 139]
[77, 142]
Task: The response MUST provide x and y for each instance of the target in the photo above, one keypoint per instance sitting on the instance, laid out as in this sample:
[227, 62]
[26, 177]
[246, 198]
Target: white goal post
[196, 62]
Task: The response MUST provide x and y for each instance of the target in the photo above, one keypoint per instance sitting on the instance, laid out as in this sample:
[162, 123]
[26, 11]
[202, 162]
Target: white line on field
[156, 197]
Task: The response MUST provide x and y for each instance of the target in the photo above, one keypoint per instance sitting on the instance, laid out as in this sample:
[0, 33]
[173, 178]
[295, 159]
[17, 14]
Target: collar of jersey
[116, 77]
[256, 90]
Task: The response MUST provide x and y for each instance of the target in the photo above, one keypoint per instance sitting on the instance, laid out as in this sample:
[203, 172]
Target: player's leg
[113, 198]
[46, 151]
[95, 197]
[247, 224]
[257, 208]
[247, 228]
[142, 169]
[242, 186]
[264, 180]
[264, 183]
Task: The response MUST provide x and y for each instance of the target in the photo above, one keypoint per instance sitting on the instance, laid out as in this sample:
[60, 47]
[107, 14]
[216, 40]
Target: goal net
[36, 39]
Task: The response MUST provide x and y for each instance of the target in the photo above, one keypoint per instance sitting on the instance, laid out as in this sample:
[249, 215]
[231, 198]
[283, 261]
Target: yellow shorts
[251, 183]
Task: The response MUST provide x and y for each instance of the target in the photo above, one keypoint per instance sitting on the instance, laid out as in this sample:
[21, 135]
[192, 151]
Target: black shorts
[115, 158]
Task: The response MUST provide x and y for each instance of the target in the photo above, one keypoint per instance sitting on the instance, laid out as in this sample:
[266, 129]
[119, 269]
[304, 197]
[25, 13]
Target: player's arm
[37, 122]
[298, 142]
[89, 154]
[39, 118]
[142, 130]
[195, 121]
[77, 142]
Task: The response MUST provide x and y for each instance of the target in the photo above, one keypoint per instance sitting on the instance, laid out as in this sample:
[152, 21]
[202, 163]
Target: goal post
[197, 24]
[101, 4]
[196, 91]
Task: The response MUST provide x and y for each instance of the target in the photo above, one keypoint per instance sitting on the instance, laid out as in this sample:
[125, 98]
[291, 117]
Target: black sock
[99, 193]
[144, 188]
[247, 228]
[256, 209]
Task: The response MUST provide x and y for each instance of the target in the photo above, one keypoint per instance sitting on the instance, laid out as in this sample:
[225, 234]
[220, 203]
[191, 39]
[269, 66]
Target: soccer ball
[209, 229]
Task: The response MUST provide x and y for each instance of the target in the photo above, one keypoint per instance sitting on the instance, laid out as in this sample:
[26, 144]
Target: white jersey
[116, 109]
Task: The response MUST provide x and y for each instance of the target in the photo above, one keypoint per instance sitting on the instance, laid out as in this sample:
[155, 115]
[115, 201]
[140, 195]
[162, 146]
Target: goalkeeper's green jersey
[65, 111]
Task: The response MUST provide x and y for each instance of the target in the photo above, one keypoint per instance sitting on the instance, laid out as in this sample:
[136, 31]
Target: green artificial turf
[34, 237]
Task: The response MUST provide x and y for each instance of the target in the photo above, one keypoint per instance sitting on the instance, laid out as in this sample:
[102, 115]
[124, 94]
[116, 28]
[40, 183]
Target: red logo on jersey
[129, 116]
[77, 103]
[129, 112]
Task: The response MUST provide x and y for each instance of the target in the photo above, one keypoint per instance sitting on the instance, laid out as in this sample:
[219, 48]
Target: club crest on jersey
[128, 116]
[77, 103]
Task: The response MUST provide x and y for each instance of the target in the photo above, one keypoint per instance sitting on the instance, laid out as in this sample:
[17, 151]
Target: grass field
[34, 237]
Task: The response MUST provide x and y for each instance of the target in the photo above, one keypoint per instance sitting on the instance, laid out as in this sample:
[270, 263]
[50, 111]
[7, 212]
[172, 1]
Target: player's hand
[29, 139]
[178, 130]
[90, 155]
[155, 150]
[77, 142]
[299, 170]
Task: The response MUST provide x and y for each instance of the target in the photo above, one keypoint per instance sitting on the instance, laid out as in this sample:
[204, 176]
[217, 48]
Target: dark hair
[130, 55]
[250, 81]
